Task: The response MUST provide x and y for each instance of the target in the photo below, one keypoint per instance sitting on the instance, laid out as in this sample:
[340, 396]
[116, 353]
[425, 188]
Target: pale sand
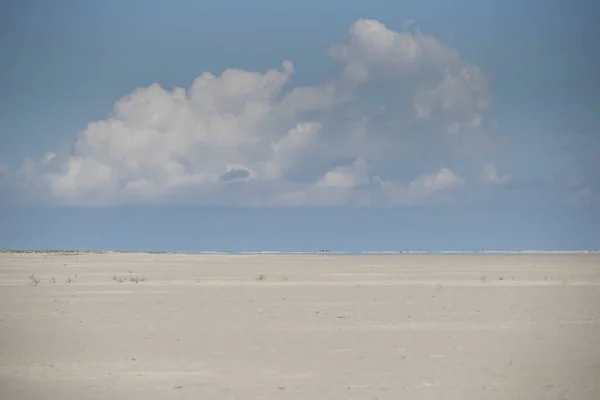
[316, 327]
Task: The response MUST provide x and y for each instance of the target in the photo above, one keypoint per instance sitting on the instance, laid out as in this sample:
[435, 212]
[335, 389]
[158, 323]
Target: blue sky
[436, 124]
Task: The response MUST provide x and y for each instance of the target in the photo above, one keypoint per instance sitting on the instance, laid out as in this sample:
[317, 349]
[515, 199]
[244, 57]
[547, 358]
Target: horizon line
[299, 252]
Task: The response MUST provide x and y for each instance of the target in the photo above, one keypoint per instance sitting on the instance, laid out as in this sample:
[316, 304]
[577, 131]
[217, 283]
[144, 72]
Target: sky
[268, 125]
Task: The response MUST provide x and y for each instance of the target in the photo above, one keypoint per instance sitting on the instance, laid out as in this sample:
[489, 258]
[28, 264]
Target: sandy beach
[159, 326]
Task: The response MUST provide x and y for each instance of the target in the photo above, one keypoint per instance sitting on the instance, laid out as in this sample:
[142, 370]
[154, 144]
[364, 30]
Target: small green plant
[261, 277]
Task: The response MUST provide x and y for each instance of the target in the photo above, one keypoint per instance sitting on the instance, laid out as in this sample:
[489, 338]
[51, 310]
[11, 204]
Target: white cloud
[347, 177]
[422, 187]
[490, 175]
[290, 148]
[241, 129]
[372, 50]
[338, 186]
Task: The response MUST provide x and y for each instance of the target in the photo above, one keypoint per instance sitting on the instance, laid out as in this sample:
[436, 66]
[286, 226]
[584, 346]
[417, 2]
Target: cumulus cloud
[490, 175]
[346, 177]
[423, 186]
[247, 137]
[459, 89]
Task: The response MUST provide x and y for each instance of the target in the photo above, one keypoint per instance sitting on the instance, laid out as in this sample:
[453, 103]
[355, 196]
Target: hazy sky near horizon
[286, 107]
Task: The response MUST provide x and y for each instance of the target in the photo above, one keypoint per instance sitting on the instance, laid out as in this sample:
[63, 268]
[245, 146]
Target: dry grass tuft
[33, 281]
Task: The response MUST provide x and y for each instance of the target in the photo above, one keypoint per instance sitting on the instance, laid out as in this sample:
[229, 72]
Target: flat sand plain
[299, 327]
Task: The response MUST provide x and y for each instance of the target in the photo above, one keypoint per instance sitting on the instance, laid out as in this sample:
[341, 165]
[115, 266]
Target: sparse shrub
[33, 281]
[261, 277]
[136, 279]
[129, 278]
